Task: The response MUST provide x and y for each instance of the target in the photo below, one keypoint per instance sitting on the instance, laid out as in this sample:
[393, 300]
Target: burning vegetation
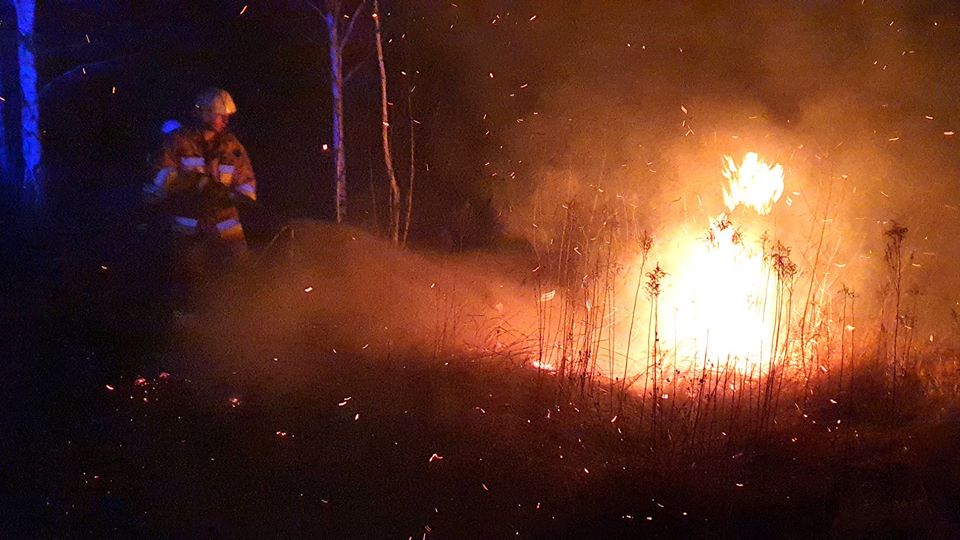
[733, 326]
[668, 270]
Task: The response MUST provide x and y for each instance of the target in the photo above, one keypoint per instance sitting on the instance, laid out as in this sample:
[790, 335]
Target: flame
[717, 302]
[754, 183]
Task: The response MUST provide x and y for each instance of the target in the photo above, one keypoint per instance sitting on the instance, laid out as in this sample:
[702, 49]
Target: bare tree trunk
[332, 17]
[373, 195]
[30, 109]
[385, 130]
[413, 169]
[338, 39]
[5, 177]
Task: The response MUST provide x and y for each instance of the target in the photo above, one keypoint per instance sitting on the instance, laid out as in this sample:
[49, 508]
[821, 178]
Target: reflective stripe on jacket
[188, 158]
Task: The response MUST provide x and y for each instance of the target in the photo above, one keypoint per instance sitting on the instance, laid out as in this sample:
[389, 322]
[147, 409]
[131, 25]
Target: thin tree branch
[314, 7]
[353, 19]
[352, 72]
[90, 68]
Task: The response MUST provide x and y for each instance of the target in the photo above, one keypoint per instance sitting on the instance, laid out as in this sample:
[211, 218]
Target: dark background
[99, 142]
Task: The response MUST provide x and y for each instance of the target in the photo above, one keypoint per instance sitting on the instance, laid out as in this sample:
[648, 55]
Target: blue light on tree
[30, 110]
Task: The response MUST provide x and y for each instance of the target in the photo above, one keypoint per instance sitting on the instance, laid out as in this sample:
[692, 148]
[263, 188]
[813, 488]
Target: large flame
[718, 303]
[753, 183]
[718, 300]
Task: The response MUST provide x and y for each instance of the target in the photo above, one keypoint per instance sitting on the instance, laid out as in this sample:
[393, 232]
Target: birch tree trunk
[385, 131]
[30, 108]
[6, 175]
[332, 18]
[338, 38]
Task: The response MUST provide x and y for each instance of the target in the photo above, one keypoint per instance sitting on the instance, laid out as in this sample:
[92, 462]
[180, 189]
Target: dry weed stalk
[893, 255]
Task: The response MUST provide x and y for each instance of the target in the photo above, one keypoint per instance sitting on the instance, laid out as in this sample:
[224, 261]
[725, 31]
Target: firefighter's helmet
[217, 101]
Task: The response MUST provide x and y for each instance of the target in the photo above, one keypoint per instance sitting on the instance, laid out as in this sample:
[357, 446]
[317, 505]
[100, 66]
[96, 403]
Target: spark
[244, 10]
[109, 387]
[308, 289]
[435, 457]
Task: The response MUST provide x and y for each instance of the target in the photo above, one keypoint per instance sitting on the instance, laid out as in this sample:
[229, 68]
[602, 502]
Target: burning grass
[731, 329]
[548, 393]
[693, 344]
[340, 388]
[718, 345]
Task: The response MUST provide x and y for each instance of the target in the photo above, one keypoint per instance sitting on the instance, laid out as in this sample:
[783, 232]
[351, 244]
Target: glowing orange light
[716, 302]
[753, 183]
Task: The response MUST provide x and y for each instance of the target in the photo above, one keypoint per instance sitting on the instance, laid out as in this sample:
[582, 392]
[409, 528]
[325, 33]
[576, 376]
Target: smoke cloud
[609, 104]
[334, 290]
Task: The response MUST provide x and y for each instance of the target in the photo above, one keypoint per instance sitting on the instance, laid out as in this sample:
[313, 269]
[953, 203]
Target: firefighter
[203, 174]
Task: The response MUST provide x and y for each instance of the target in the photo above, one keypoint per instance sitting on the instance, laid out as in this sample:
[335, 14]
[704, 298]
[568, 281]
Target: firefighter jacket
[199, 180]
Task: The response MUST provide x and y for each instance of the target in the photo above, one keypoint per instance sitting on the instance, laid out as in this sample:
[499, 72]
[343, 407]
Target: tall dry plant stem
[646, 243]
[893, 256]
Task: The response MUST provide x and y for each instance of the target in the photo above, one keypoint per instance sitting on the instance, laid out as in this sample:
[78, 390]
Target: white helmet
[217, 101]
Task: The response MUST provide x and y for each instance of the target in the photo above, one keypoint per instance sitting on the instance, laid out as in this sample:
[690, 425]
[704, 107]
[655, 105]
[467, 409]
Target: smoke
[624, 112]
[635, 105]
[336, 292]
